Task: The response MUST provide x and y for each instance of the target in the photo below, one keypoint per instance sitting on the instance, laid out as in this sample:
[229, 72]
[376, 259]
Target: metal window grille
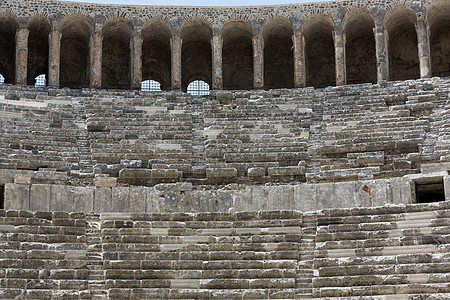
[150, 85]
[2, 79]
[198, 88]
[40, 80]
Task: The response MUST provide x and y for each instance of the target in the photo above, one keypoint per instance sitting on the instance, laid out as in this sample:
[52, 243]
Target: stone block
[120, 198]
[221, 172]
[281, 197]
[401, 190]
[105, 182]
[137, 199]
[305, 197]
[40, 197]
[256, 172]
[22, 179]
[17, 196]
[61, 198]
[103, 199]
[83, 199]
[165, 174]
[285, 171]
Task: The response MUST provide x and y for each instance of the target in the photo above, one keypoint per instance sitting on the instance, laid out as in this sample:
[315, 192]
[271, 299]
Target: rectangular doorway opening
[430, 191]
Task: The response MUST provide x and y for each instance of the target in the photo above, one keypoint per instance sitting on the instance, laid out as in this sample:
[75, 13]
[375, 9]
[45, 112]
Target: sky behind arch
[199, 2]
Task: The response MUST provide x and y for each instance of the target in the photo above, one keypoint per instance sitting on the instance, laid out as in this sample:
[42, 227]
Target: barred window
[40, 80]
[198, 88]
[2, 79]
[150, 85]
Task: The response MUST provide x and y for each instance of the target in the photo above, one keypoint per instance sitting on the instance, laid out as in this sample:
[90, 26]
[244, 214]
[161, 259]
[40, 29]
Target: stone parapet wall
[385, 252]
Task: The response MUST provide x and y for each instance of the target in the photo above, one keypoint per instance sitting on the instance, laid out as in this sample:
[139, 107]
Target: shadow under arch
[278, 53]
[116, 55]
[156, 52]
[76, 31]
[403, 53]
[360, 51]
[38, 47]
[8, 28]
[438, 16]
[237, 55]
[196, 57]
[319, 51]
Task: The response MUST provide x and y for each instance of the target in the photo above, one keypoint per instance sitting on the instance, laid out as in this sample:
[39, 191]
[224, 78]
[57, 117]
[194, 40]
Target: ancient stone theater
[294, 151]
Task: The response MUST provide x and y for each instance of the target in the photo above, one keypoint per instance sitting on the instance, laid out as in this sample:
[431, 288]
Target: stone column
[339, 50]
[381, 50]
[136, 61]
[217, 75]
[54, 57]
[299, 59]
[175, 43]
[258, 61]
[424, 48]
[96, 57]
[21, 55]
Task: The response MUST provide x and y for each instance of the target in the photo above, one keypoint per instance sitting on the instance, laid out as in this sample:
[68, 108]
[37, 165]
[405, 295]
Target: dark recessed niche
[430, 192]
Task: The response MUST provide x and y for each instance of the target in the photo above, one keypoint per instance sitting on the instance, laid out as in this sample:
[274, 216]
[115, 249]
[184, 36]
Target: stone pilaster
[54, 56]
[424, 48]
[381, 44]
[21, 55]
[339, 50]
[299, 59]
[258, 61]
[217, 75]
[136, 61]
[175, 43]
[96, 57]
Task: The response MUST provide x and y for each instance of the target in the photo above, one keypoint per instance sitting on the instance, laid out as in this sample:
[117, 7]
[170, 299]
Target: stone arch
[8, 28]
[38, 47]
[319, 51]
[438, 16]
[76, 31]
[116, 55]
[403, 54]
[361, 60]
[196, 53]
[278, 53]
[237, 55]
[156, 53]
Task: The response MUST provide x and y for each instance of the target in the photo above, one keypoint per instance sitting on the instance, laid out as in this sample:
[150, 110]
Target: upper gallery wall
[82, 45]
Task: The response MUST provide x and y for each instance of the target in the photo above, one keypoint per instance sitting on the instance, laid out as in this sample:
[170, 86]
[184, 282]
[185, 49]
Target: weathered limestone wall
[385, 252]
[183, 197]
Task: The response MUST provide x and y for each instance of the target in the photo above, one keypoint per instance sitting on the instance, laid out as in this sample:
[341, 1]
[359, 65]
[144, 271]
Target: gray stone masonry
[384, 252]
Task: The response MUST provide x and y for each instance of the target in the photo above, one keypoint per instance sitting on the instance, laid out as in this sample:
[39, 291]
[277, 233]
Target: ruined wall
[81, 45]
[392, 251]
[112, 146]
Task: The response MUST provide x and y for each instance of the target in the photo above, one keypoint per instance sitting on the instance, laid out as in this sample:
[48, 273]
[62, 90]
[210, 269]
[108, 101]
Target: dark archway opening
[76, 32]
[237, 57]
[196, 58]
[402, 49]
[38, 49]
[360, 48]
[156, 53]
[116, 67]
[439, 20]
[8, 28]
[320, 57]
[278, 54]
